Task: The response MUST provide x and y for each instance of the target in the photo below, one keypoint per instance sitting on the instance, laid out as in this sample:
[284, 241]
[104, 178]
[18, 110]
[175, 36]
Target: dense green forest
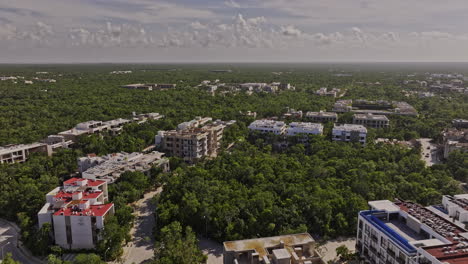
[251, 190]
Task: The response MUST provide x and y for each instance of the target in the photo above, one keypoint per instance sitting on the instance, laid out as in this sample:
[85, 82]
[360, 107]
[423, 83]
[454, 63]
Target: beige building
[287, 249]
[192, 142]
[370, 120]
[322, 116]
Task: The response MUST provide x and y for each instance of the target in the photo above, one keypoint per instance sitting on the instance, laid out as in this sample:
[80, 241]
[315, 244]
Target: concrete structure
[343, 106]
[370, 120]
[322, 116]
[142, 118]
[298, 128]
[455, 139]
[379, 107]
[456, 207]
[287, 249]
[55, 142]
[349, 133]
[167, 86]
[403, 232]
[20, 153]
[110, 167]
[268, 126]
[292, 113]
[141, 86]
[325, 92]
[194, 139]
[460, 123]
[116, 126]
[77, 212]
[85, 128]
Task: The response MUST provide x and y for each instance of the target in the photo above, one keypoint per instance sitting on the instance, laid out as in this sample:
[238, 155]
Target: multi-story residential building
[403, 232]
[20, 153]
[268, 126]
[193, 140]
[142, 118]
[349, 133]
[167, 86]
[55, 142]
[77, 212]
[295, 248]
[325, 92]
[322, 116]
[455, 139]
[370, 120]
[456, 207]
[298, 128]
[140, 86]
[343, 106]
[110, 167]
[116, 126]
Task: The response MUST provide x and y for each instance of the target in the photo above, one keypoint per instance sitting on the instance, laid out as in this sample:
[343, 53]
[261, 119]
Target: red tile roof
[93, 210]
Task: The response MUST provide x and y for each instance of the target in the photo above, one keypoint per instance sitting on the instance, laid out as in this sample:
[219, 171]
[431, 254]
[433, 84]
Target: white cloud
[232, 4]
[291, 31]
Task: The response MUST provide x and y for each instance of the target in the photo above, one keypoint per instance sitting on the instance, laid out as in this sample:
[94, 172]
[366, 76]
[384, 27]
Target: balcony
[391, 253]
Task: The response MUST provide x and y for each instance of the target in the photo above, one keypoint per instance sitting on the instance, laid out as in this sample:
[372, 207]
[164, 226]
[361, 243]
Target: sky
[160, 31]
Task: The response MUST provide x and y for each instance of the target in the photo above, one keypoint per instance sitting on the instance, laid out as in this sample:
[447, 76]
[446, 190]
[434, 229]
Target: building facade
[268, 126]
[193, 140]
[322, 117]
[298, 128]
[287, 249]
[403, 232]
[349, 133]
[20, 153]
[371, 120]
[77, 211]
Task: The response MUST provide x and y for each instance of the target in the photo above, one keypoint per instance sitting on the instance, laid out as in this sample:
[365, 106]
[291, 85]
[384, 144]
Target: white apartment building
[20, 153]
[109, 168]
[85, 128]
[349, 133]
[77, 212]
[268, 126]
[371, 120]
[457, 207]
[298, 128]
[407, 233]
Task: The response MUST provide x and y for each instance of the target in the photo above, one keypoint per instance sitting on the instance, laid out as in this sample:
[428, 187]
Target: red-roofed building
[77, 211]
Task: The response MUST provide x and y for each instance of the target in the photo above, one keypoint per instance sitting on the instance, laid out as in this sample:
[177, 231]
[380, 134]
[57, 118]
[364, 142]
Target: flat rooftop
[260, 245]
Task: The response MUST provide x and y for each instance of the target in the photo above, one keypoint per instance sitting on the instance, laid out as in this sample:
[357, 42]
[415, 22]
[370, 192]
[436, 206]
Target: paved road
[9, 234]
[428, 148]
[140, 249]
[212, 249]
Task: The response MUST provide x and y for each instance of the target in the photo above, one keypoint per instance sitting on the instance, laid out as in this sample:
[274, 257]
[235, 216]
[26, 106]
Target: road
[141, 248]
[212, 249]
[9, 237]
[430, 149]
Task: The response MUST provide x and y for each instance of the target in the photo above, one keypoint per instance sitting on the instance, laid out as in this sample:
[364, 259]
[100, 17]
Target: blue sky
[232, 30]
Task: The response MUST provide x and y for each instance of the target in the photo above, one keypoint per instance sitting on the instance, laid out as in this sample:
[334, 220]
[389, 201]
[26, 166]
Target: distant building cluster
[280, 127]
[322, 117]
[77, 212]
[120, 72]
[334, 92]
[380, 107]
[286, 249]
[109, 168]
[249, 88]
[441, 83]
[194, 139]
[404, 232]
[149, 86]
[18, 153]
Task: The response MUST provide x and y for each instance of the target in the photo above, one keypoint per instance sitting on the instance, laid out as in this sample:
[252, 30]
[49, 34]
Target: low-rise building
[55, 142]
[142, 118]
[298, 128]
[268, 126]
[460, 123]
[286, 249]
[116, 126]
[325, 92]
[110, 167]
[85, 128]
[404, 232]
[371, 120]
[455, 139]
[349, 133]
[322, 117]
[77, 212]
[343, 106]
[141, 86]
[19, 153]
[293, 113]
